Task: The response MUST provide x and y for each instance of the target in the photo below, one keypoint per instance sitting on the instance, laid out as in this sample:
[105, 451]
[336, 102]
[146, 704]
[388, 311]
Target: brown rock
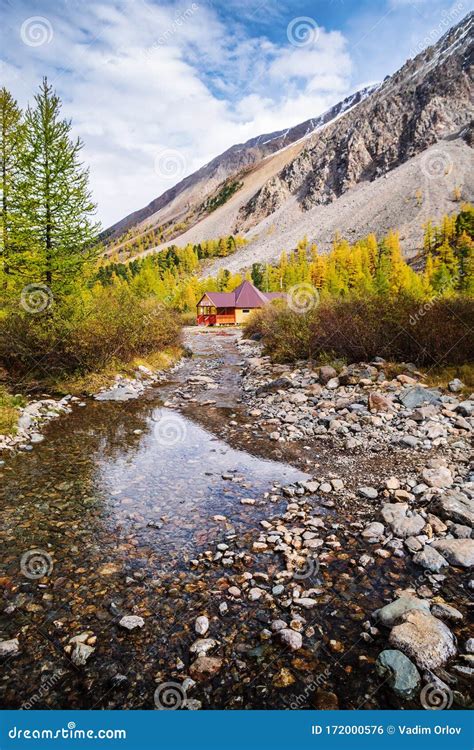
[325, 701]
[326, 373]
[205, 668]
[378, 402]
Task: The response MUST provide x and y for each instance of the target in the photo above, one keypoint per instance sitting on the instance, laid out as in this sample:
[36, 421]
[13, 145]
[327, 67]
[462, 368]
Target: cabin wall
[242, 314]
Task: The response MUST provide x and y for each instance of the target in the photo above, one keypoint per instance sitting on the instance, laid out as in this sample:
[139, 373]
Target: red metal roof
[246, 295]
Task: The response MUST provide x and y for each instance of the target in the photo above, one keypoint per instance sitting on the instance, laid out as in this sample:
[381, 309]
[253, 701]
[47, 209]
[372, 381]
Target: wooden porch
[215, 316]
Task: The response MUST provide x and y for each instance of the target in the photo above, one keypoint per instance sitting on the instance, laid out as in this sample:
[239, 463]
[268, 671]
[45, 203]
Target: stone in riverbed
[439, 477]
[402, 525]
[378, 402]
[456, 506]
[203, 645]
[417, 395]
[81, 653]
[466, 408]
[233, 591]
[326, 373]
[456, 551]
[201, 626]
[283, 678]
[392, 612]
[130, 622]
[205, 668]
[323, 700]
[9, 648]
[446, 612]
[403, 676]
[424, 638]
[291, 638]
[455, 385]
[430, 559]
[255, 593]
[369, 492]
[374, 531]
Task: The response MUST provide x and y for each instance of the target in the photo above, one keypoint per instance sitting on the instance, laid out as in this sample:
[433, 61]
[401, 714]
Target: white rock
[201, 626]
[291, 638]
[130, 622]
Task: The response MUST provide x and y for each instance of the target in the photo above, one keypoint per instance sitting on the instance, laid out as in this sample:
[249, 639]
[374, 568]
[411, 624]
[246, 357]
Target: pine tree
[57, 203]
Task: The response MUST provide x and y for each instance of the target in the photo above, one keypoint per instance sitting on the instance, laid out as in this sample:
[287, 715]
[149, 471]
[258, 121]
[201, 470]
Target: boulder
[430, 559]
[440, 477]
[456, 506]
[455, 385]
[403, 676]
[424, 638]
[402, 525]
[417, 396]
[391, 613]
[456, 551]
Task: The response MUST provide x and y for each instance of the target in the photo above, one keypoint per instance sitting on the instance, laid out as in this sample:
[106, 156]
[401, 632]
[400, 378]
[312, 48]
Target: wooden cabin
[232, 308]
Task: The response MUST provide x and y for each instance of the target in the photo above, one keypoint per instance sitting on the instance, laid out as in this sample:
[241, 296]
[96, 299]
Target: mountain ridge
[275, 181]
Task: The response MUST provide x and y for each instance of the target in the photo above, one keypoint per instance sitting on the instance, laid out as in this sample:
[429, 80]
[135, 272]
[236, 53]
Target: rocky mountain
[389, 156]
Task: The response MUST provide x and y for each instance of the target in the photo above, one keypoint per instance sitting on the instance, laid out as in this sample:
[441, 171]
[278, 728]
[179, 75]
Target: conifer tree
[11, 142]
[57, 203]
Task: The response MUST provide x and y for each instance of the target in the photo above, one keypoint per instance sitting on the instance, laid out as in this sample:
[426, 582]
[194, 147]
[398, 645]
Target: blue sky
[156, 89]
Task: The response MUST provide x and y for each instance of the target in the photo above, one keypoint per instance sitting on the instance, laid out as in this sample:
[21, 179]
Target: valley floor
[232, 538]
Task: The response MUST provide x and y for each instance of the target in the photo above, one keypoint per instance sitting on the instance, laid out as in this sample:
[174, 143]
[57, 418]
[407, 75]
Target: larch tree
[57, 202]
[11, 140]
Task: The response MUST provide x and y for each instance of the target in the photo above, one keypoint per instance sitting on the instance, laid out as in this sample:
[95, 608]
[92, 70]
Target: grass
[89, 383]
[441, 376]
[9, 411]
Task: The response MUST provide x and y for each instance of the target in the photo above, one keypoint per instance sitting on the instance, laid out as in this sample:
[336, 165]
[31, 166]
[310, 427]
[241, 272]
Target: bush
[401, 329]
[85, 332]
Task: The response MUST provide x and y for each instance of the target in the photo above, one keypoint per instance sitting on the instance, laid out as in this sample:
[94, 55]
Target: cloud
[137, 79]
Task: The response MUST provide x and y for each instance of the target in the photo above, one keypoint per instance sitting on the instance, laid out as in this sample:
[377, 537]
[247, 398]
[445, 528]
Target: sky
[156, 89]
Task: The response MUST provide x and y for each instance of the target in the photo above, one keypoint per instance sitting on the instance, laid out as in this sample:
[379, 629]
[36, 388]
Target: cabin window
[245, 311]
